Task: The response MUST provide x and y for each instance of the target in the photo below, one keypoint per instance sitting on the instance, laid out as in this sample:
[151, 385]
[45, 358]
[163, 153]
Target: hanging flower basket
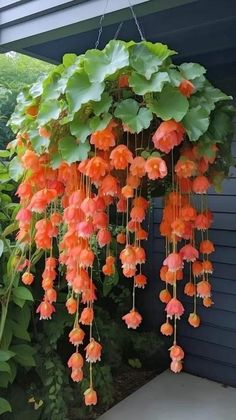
[113, 128]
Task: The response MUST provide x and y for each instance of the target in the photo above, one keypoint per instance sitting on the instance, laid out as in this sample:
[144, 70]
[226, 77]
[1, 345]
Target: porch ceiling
[199, 30]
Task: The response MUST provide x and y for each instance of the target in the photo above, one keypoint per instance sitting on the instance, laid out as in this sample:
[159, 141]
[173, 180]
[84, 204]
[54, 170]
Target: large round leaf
[196, 122]
[133, 116]
[141, 85]
[49, 110]
[72, 151]
[171, 104]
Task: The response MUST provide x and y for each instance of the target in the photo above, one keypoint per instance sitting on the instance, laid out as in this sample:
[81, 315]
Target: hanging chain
[136, 21]
[120, 24]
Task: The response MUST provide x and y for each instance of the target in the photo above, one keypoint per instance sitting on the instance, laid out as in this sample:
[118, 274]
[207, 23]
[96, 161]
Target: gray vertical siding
[210, 349]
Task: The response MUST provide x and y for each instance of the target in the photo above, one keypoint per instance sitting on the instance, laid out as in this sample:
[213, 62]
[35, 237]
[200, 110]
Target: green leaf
[100, 64]
[175, 76]
[54, 86]
[24, 354]
[5, 355]
[80, 90]
[146, 57]
[23, 293]
[132, 115]
[170, 104]
[190, 71]
[1, 247]
[71, 151]
[49, 110]
[39, 143]
[103, 105]
[16, 169]
[69, 59]
[141, 85]
[98, 124]
[10, 228]
[4, 406]
[37, 88]
[4, 153]
[196, 122]
[20, 332]
[56, 160]
[80, 129]
[5, 367]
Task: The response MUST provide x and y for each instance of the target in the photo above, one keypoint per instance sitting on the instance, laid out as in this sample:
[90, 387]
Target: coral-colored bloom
[110, 186]
[71, 305]
[121, 238]
[202, 222]
[176, 353]
[133, 319]
[128, 256]
[121, 156]
[27, 278]
[178, 227]
[140, 281]
[90, 397]
[77, 375]
[185, 168]
[103, 237]
[88, 206]
[174, 262]
[127, 191]
[155, 168]
[207, 266]
[194, 320]
[165, 296]
[204, 289]
[51, 295]
[93, 351]
[24, 215]
[200, 184]
[137, 214]
[168, 135]
[188, 213]
[186, 88]
[96, 168]
[85, 229]
[206, 247]
[174, 308]
[166, 329]
[123, 81]
[30, 160]
[104, 139]
[176, 366]
[197, 268]
[86, 317]
[207, 302]
[190, 289]
[76, 336]
[86, 258]
[45, 309]
[137, 167]
[75, 361]
[189, 253]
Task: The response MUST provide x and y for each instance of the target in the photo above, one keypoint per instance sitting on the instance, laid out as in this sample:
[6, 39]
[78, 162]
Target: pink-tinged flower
[76, 336]
[88, 206]
[174, 262]
[45, 309]
[27, 278]
[156, 168]
[167, 329]
[24, 215]
[140, 281]
[186, 88]
[75, 361]
[86, 317]
[176, 366]
[121, 156]
[168, 135]
[90, 397]
[204, 289]
[133, 319]
[77, 375]
[189, 253]
[174, 308]
[85, 229]
[103, 237]
[176, 352]
[190, 289]
[51, 295]
[200, 184]
[194, 320]
[93, 351]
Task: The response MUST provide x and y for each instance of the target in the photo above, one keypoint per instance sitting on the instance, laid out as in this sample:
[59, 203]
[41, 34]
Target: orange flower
[194, 320]
[207, 302]
[106, 138]
[190, 289]
[202, 222]
[174, 308]
[86, 317]
[30, 160]
[93, 351]
[176, 366]
[176, 353]
[140, 281]
[163, 272]
[166, 329]
[85, 229]
[24, 190]
[186, 88]
[103, 237]
[121, 156]
[203, 289]
[207, 266]
[189, 253]
[108, 270]
[165, 296]
[96, 168]
[185, 168]
[178, 227]
[45, 309]
[90, 397]
[174, 262]
[137, 214]
[51, 295]
[168, 135]
[109, 186]
[86, 258]
[32, 110]
[56, 218]
[133, 319]
[137, 167]
[127, 191]
[76, 336]
[75, 361]
[200, 184]
[123, 81]
[133, 181]
[197, 268]
[27, 278]
[77, 375]
[121, 238]
[141, 235]
[155, 168]
[206, 247]
[71, 305]
[43, 132]
[128, 256]
[188, 213]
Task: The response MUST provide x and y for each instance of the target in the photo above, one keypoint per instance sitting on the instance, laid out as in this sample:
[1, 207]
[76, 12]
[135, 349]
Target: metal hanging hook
[136, 21]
